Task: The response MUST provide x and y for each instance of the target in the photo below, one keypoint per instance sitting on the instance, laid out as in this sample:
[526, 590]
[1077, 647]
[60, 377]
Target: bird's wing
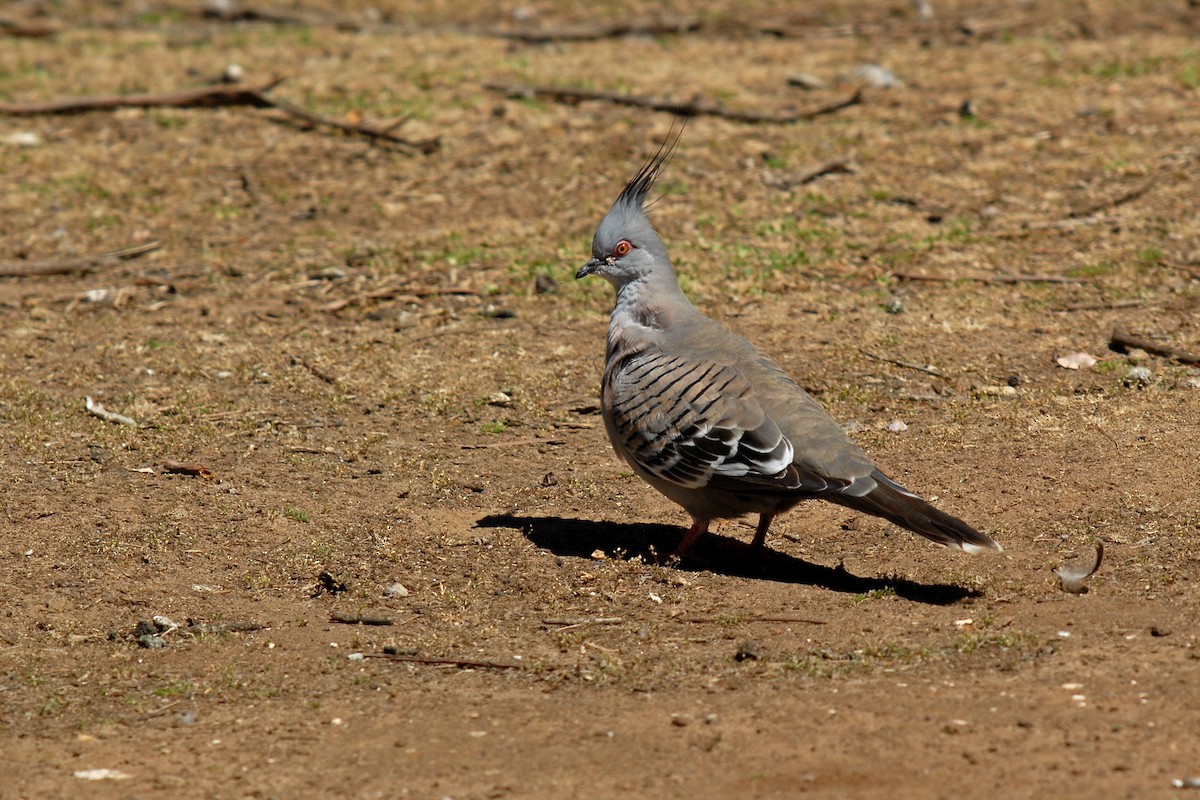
[698, 423]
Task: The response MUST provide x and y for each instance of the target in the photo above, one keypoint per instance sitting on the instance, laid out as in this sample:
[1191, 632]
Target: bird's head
[626, 247]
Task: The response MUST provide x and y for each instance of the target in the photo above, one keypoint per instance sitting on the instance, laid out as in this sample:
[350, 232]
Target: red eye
[623, 247]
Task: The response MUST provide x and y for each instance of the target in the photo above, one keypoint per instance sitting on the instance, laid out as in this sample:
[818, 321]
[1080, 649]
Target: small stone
[1139, 377]
[680, 720]
[1159, 631]
[151, 641]
[877, 76]
[502, 399]
[162, 623]
[22, 139]
[549, 479]
[897, 426]
[748, 651]
[894, 306]
[144, 628]
[396, 589]
[803, 80]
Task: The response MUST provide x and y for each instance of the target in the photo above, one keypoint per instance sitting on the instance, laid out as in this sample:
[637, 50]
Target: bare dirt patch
[364, 385]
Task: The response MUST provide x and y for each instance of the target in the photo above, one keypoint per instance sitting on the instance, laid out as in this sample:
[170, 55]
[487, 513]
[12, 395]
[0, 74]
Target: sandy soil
[382, 363]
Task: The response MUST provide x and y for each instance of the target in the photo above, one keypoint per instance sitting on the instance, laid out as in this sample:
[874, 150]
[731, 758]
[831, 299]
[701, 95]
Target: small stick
[392, 292]
[360, 619]
[453, 662]
[328, 377]
[204, 97]
[95, 409]
[927, 370]
[212, 97]
[1105, 306]
[997, 279]
[185, 468]
[80, 264]
[706, 620]
[511, 443]
[692, 108]
[572, 622]
[224, 627]
[1113, 202]
[837, 165]
[1122, 341]
[588, 33]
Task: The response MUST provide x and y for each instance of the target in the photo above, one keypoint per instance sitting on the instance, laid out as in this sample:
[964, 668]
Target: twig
[692, 108]
[905, 364]
[198, 628]
[424, 146]
[215, 96]
[328, 377]
[574, 622]
[453, 662]
[1195, 273]
[1102, 306]
[184, 468]
[1122, 341]
[512, 443]
[392, 292]
[708, 620]
[80, 264]
[26, 30]
[360, 619]
[996, 279]
[837, 165]
[204, 97]
[95, 409]
[587, 33]
[1113, 202]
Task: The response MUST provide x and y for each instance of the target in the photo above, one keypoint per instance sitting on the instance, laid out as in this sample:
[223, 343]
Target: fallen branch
[1113, 202]
[219, 96]
[466, 663]
[927, 370]
[589, 33]
[360, 619]
[97, 410]
[691, 108]
[68, 265]
[204, 97]
[995, 279]
[184, 468]
[1122, 342]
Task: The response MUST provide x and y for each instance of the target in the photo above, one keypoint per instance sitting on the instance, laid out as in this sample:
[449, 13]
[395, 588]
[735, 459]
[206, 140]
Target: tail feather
[896, 504]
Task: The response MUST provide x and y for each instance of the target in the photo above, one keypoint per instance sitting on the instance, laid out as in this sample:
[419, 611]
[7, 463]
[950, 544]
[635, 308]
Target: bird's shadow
[715, 553]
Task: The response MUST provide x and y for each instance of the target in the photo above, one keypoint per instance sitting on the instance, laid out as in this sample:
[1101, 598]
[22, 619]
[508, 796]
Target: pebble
[894, 306]
[396, 589]
[897, 426]
[23, 139]
[803, 80]
[680, 720]
[151, 641]
[877, 76]
[1139, 377]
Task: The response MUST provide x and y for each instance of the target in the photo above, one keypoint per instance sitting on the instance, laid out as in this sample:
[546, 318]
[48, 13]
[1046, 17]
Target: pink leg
[689, 539]
[760, 533]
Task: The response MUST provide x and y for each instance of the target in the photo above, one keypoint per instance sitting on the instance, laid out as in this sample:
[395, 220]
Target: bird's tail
[896, 504]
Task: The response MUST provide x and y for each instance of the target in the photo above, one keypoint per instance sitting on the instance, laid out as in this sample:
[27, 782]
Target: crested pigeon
[707, 419]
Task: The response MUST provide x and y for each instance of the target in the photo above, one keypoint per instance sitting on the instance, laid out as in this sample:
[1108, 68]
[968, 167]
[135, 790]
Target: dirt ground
[384, 368]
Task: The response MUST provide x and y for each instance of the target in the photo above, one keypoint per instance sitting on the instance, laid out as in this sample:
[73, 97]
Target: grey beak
[588, 268]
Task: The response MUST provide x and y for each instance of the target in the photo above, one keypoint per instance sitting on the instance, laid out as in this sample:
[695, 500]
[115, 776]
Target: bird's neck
[645, 308]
